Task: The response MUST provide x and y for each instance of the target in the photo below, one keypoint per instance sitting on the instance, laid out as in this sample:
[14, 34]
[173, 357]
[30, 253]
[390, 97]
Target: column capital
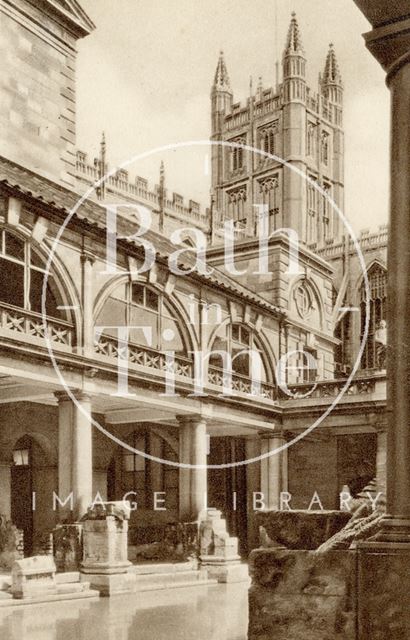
[190, 419]
[389, 41]
[269, 435]
[77, 394]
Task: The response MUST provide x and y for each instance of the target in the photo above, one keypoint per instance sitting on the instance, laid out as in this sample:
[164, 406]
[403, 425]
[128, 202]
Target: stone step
[73, 587]
[162, 568]
[151, 582]
[69, 576]
[55, 597]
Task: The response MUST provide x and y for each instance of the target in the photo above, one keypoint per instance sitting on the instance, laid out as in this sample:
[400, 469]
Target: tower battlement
[121, 187]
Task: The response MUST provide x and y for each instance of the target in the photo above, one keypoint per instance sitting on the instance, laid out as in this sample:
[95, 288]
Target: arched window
[237, 154]
[268, 139]
[325, 148]
[311, 140]
[378, 286]
[22, 272]
[240, 342]
[132, 304]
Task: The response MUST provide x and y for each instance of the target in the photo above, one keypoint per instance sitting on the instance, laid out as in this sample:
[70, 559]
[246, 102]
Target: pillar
[383, 584]
[87, 261]
[192, 481]
[274, 469]
[390, 45]
[74, 454]
[381, 458]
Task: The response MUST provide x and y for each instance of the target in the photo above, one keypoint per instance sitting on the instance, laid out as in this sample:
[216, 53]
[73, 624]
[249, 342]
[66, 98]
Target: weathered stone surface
[301, 595]
[32, 577]
[384, 592]
[105, 549]
[301, 529]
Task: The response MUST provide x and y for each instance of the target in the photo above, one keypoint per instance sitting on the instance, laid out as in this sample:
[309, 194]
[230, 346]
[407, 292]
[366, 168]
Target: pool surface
[215, 612]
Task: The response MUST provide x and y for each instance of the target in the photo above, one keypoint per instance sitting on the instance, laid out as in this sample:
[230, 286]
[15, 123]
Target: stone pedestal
[105, 549]
[218, 550]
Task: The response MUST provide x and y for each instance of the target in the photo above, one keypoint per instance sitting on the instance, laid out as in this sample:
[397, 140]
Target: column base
[108, 585]
[225, 570]
[383, 590]
[393, 530]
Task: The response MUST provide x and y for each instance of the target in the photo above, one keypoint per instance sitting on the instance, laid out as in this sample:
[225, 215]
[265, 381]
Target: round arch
[170, 301]
[65, 283]
[268, 356]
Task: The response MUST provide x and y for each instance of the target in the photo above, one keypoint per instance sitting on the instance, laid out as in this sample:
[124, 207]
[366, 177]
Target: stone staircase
[152, 576]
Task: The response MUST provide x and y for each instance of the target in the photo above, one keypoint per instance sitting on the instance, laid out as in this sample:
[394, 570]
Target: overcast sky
[144, 76]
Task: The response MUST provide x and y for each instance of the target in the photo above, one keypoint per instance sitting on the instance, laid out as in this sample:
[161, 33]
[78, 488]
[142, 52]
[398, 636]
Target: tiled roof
[62, 199]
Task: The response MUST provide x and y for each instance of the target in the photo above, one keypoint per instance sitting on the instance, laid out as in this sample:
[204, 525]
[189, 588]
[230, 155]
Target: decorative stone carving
[33, 577]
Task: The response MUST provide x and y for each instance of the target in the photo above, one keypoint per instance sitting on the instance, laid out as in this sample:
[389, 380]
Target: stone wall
[299, 529]
[299, 595]
[37, 112]
[324, 463]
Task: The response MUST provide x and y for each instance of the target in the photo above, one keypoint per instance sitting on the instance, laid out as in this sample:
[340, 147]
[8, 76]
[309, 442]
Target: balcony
[371, 387]
[28, 326]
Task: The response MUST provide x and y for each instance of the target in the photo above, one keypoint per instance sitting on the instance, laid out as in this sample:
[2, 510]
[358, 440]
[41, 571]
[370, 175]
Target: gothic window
[22, 272]
[312, 198]
[378, 285]
[324, 148]
[237, 205]
[342, 333]
[326, 212]
[269, 189]
[268, 139]
[135, 305]
[311, 140]
[237, 154]
[236, 340]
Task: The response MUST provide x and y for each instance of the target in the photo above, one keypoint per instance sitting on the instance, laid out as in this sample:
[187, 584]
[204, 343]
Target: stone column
[75, 468]
[381, 457]
[274, 469]
[192, 482]
[87, 261]
[390, 44]
[383, 576]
